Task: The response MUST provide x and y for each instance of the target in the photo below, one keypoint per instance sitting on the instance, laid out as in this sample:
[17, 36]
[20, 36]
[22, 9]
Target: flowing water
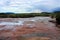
[20, 21]
[44, 28]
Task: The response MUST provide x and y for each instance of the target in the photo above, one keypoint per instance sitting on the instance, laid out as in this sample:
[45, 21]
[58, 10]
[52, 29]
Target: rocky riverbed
[28, 29]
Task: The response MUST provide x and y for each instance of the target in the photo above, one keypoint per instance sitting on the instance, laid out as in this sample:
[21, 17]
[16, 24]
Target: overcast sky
[23, 6]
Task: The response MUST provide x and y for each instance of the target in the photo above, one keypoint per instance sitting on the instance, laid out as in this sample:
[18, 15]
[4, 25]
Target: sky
[28, 6]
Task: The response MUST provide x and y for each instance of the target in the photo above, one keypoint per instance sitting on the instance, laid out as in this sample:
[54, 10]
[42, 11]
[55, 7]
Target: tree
[57, 17]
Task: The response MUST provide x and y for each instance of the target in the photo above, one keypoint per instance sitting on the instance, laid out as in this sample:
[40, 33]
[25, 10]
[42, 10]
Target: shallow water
[12, 23]
[41, 28]
[21, 21]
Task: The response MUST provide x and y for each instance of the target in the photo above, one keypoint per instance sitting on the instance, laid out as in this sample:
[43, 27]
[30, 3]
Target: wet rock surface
[30, 30]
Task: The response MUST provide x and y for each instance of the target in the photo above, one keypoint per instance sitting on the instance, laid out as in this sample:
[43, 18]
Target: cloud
[23, 6]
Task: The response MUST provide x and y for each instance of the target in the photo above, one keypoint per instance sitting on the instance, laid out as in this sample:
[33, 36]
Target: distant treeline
[24, 15]
[27, 15]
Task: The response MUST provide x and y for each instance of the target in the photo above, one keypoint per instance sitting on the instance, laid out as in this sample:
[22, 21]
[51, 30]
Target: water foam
[12, 23]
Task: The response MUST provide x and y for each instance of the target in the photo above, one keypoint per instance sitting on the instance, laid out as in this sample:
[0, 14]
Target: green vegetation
[57, 17]
[22, 15]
